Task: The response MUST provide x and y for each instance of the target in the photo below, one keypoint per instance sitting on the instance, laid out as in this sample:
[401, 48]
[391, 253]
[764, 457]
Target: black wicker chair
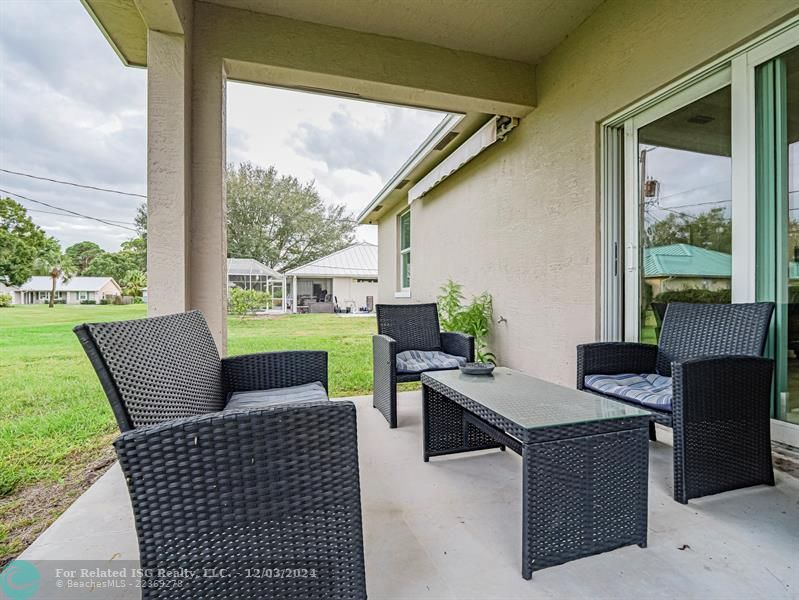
[271, 495]
[720, 386]
[402, 327]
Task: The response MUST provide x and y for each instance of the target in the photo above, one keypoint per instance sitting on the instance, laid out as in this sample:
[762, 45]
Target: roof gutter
[446, 125]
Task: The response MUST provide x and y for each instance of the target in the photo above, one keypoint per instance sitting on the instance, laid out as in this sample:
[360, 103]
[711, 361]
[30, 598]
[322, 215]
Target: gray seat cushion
[647, 389]
[309, 392]
[418, 361]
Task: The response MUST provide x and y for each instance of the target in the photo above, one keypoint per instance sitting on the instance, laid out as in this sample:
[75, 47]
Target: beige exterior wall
[347, 289]
[522, 220]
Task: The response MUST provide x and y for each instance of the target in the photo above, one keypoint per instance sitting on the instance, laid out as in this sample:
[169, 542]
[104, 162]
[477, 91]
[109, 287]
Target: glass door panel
[683, 209]
[787, 119]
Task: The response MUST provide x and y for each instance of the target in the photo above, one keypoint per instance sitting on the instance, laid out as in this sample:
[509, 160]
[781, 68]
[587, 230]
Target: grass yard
[55, 423]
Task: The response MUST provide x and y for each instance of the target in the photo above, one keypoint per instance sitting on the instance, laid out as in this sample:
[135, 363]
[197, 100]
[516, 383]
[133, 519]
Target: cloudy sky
[70, 110]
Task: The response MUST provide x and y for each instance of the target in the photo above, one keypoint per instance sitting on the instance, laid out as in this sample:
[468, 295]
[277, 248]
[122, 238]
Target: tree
[82, 254]
[280, 221]
[137, 246]
[21, 243]
[241, 301]
[711, 230]
[55, 265]
[113, 264]
[134, 282]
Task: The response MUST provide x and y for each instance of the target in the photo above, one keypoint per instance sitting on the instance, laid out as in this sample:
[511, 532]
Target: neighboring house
[249, 274]
[10, 290]
[346, 279]
[76, 290]
[682, 266]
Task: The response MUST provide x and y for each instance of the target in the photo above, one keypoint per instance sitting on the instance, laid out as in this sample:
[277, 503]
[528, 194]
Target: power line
[109, 223]
[50, 212]
[72, 183]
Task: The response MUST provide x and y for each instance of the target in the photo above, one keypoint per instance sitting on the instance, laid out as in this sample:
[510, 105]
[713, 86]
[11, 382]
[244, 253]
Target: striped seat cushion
[418, 361]
[309, 392]
[646, 389]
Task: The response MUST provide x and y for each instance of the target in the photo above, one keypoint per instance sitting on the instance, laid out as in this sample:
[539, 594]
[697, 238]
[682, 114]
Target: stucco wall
[521, 220]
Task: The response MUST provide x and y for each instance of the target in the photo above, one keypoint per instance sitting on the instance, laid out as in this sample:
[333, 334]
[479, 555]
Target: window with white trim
[405, 250]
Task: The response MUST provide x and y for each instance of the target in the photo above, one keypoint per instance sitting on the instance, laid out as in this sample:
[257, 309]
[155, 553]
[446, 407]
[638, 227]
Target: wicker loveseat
[411, 331]
[269, 492]
[708, 380]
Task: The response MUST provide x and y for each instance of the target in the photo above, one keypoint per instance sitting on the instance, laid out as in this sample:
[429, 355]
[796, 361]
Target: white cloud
[70, 110]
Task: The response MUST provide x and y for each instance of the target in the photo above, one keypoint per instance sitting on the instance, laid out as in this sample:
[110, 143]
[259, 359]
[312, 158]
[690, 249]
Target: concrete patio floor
[451, 528]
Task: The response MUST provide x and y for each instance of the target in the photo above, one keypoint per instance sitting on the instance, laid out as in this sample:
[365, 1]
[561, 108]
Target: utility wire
[50, 212]
[77, 214]
[79, 185]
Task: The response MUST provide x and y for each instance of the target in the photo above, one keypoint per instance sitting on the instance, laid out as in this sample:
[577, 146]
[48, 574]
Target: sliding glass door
[777, 194]
[678, 200]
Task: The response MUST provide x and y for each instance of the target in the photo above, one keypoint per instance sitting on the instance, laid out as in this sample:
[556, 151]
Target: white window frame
[404, 291]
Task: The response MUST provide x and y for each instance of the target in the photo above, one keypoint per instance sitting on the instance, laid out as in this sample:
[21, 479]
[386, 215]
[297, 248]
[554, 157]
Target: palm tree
[134, 282]
[57, 266]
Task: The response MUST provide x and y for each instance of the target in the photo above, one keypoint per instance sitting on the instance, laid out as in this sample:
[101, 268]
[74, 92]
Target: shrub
[104, 301]
[241, 301]
[474, 319]
[5, 300]
[88, 301]
[696, 296]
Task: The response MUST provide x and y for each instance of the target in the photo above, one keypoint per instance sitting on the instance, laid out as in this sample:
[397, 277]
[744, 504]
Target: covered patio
[451, 528]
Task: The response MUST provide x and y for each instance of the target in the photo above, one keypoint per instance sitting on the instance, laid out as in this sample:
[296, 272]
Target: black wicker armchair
[411, 329]
[707, 380]
[267, 493]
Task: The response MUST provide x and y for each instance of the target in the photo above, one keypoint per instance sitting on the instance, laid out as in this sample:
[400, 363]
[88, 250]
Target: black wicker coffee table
[585, 458]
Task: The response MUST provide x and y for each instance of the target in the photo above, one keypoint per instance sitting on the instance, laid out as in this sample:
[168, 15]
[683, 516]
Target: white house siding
[522, 220]
[347, 289]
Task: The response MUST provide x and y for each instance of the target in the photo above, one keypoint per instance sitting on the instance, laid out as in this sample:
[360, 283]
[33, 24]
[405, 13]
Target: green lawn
[55, 420]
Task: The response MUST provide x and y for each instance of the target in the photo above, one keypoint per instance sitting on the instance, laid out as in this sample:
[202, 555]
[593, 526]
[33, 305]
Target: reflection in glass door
[778, 191]
[683, 209]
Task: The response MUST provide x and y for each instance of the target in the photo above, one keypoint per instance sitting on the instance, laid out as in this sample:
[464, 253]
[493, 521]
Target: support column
[294, 294]
[208, 282]
[168, 163]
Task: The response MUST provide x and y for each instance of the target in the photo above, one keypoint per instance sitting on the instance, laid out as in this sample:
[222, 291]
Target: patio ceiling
[521, 30]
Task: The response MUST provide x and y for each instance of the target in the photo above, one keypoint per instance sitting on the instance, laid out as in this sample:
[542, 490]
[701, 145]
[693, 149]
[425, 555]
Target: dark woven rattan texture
[691, 330]
[269, 370]
[722, 437]
[414, 324]
[444, 429]
[275, 489]
[584, 487]
[162, 368]
[722, 392]
[584, 496]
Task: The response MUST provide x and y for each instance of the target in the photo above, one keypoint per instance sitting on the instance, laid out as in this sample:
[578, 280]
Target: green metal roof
[684, 260]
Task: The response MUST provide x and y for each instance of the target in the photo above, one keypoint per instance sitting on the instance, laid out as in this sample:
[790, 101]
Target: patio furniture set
[244, 463]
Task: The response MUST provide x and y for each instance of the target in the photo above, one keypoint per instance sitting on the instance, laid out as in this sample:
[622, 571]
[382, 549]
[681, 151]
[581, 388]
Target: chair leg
[653, 437]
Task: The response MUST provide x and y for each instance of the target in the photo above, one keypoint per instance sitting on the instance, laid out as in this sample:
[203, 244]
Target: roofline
[291, 271]
[447, 124]
[108, 37]
[48, 288]
[369, 275]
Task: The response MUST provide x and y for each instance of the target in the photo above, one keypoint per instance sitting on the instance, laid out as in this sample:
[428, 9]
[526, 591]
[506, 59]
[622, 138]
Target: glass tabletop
[533, 403]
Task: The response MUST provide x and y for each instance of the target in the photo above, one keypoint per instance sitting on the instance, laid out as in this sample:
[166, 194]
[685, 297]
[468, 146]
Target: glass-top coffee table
[585, 458]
